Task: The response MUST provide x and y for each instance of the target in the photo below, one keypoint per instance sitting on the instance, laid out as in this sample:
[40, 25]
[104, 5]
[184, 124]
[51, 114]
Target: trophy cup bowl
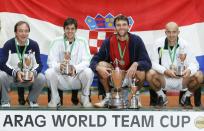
[181, 67]
[26, 69]
[179, 71]
[117, 77]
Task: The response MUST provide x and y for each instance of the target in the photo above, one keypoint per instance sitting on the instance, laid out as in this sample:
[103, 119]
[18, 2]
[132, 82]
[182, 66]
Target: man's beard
[123, 34]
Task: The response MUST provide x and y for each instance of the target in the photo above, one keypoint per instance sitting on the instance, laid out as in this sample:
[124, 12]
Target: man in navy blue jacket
[130, 52]
[13, 62]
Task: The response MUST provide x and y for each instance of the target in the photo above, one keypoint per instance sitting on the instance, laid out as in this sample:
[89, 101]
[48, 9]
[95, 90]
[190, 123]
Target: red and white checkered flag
[96, 39]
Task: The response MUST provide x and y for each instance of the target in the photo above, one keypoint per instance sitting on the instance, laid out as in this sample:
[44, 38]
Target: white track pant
[56, 81]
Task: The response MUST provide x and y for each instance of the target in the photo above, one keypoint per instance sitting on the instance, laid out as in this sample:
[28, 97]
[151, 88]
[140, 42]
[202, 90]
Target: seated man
[129, 49]
[168, 53]
[21, 53]
[73, 52]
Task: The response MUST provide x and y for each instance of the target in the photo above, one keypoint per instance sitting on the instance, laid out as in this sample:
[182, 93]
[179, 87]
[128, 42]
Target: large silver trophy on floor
[69, 68]
[117, 77]
[27, 66]
[181, 62]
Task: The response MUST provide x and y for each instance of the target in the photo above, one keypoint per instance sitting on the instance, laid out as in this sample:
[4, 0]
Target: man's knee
[140, 75]
[4, 79]
[41, 79]
[3, 75]
[49, 73]
[199, 77]
[150, 74]
[88, 73]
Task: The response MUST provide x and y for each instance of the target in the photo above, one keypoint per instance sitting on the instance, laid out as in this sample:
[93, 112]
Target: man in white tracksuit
[165, 60]
[81, 76]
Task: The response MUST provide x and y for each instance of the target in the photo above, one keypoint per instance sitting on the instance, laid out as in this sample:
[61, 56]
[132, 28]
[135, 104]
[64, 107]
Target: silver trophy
[69, 69]
[117, 77]
[27, 67]
[181, 65]
[134, 102]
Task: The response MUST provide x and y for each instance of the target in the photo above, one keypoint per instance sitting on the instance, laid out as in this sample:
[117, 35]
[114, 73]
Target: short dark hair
[70, 21]
[120, 17]
[20, 23]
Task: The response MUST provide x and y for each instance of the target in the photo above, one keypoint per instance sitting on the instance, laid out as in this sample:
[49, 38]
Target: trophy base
[179, 75]
[134, 103]
[117, 103]
[27, 80]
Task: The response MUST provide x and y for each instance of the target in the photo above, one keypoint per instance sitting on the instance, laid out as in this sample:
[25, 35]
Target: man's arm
[38, 60]
[86, 57]
[155, 58]
[53, 60]
[144, 62]
[4, 59]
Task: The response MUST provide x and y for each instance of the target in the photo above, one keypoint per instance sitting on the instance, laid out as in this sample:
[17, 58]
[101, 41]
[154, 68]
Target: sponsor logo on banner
[199, 122]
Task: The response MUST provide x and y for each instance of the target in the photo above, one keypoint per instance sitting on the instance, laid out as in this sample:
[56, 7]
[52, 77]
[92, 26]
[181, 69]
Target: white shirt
[80, 55]
[190, 61]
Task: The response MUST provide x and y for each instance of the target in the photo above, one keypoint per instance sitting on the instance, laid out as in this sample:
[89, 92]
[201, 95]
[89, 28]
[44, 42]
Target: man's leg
[36, 89]
[101, 91]
[52, 81]
[21, 99]
[60, 95]
[192, 84]
[5, 81]
[105, 84]
[197, 97]
[86, 78]
[74, 98]
[153, 97]
[156, 82]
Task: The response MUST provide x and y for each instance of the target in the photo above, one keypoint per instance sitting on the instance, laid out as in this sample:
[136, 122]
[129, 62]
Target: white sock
[184, 89]
[108, 95]
[160, 93]
[187, 94]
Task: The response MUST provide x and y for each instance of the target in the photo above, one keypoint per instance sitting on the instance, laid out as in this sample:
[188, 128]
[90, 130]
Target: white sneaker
[103, 103]
[53, 103]
[6, 105]
[33, 104]
[85, 101]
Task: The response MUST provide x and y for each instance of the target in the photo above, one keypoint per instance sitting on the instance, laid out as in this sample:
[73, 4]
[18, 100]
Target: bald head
[172, 32]
[172, 26]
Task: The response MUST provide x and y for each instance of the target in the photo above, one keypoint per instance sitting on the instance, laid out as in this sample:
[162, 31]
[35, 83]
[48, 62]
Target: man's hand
[62, 66]
[170, 73]
[19, 75]
[72, 70]
[186, 73]
[131, 72]
[103, 72]
[31, 75]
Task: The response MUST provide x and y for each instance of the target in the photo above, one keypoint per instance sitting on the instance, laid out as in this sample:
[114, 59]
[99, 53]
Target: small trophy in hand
[181, 64]
[27, 67]
[69, 69]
